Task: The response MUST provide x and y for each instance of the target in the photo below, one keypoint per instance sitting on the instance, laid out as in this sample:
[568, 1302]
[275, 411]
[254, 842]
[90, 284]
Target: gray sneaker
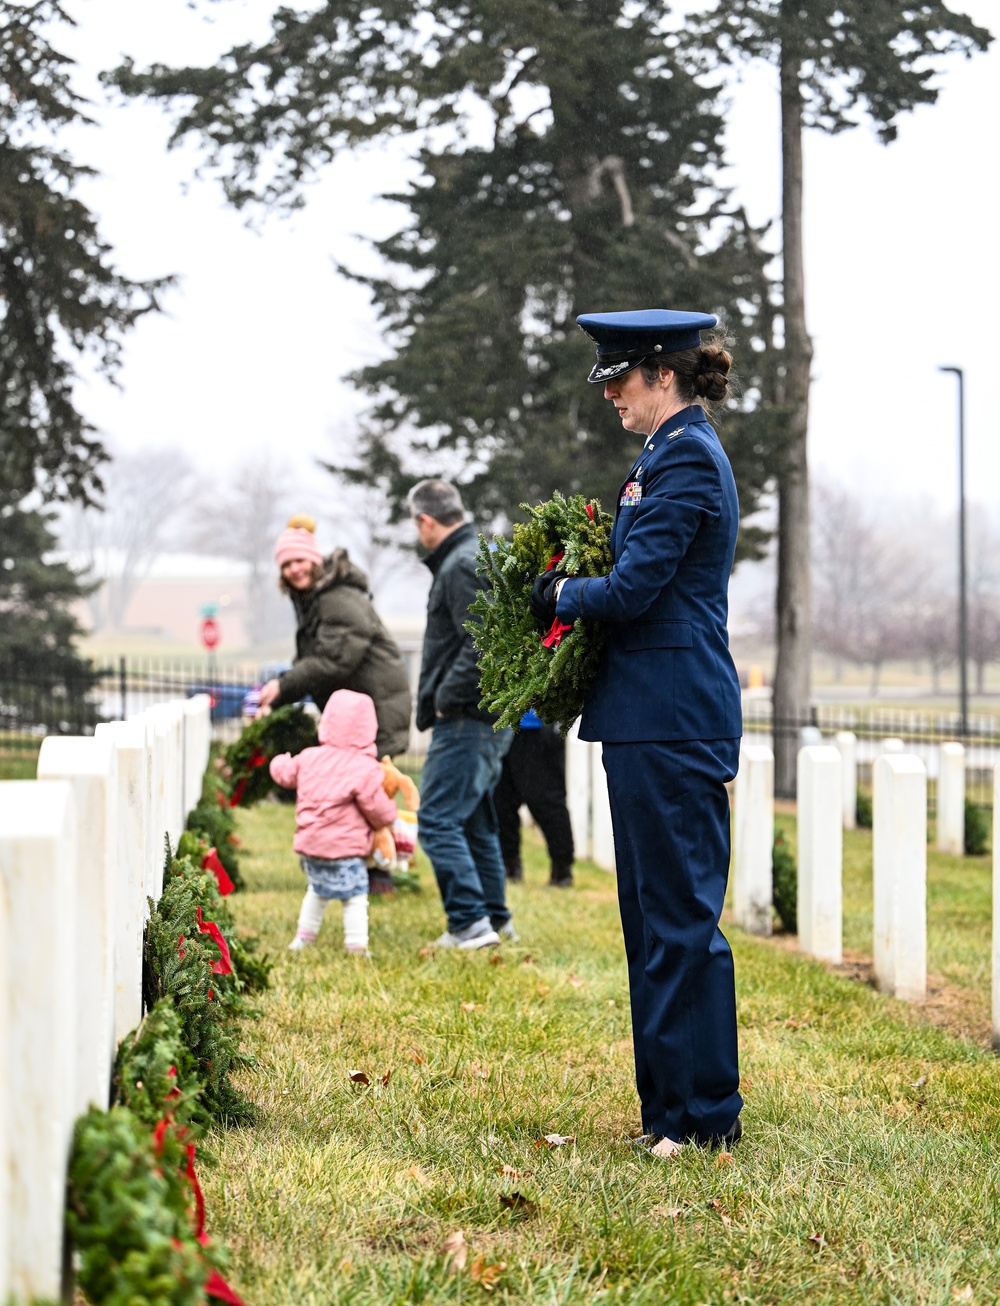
[480, 934]
[507, 932]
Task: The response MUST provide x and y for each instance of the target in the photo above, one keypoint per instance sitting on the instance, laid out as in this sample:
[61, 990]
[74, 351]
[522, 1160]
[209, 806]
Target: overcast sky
[901, 268]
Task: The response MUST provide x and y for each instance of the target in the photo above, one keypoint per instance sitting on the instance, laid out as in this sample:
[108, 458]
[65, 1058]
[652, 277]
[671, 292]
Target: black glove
[543, 599]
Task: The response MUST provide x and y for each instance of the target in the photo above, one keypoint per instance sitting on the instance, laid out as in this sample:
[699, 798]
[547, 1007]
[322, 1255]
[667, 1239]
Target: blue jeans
[458, 824]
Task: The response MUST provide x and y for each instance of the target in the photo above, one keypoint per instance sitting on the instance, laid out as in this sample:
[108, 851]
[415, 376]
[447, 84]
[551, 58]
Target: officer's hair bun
[711, 380]
[302, 522]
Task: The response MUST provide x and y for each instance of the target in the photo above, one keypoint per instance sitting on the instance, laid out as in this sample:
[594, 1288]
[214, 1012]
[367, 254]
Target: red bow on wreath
[258, 759]
[210, 862]
[553, 636]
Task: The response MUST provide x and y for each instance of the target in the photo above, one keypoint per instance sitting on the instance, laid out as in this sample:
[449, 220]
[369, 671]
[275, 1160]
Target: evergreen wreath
[520, 669]
[287, 729]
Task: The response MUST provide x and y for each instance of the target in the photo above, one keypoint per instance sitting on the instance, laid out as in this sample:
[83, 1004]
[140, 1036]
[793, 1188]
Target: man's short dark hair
[437, 499]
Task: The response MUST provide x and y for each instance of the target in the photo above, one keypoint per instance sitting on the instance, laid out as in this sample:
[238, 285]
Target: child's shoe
[301, 941]
[357, 950]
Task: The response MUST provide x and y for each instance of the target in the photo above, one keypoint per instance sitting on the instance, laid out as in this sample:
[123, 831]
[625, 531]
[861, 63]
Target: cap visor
[608, 371]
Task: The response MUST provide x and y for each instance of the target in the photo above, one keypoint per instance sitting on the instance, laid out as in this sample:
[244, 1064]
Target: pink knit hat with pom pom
[298, 540]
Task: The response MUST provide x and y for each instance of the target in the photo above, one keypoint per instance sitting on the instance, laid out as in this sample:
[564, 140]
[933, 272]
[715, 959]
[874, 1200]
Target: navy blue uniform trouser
[670, 813]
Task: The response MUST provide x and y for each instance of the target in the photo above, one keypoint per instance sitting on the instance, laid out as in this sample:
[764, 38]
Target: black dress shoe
[727, 1140]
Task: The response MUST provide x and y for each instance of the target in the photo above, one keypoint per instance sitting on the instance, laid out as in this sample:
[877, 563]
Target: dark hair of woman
[702, 375]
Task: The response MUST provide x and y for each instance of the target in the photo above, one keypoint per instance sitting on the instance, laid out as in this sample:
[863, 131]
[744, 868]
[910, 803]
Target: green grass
[866, 1174]
[19, 766]
[959, 925]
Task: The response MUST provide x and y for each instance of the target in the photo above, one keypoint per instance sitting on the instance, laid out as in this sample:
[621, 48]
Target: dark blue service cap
[624, 339]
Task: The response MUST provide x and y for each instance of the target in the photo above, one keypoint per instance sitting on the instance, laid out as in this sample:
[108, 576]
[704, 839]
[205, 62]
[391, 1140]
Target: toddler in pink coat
[339, 801]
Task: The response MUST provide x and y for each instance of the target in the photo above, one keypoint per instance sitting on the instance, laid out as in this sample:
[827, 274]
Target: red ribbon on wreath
[553, 636]
[224, 966]
[210, 862]
[257, 760]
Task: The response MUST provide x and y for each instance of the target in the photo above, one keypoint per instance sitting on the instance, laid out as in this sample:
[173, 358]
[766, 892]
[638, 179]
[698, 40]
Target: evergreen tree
[597, 191]
[59, 293]
[838, 61]
[43, 681]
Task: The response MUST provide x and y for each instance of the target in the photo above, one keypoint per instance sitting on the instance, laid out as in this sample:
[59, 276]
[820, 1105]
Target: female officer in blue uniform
[666, 706]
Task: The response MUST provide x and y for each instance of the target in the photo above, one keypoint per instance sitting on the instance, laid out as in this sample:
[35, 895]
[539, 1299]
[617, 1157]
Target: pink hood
[349, 721]
[340, 797]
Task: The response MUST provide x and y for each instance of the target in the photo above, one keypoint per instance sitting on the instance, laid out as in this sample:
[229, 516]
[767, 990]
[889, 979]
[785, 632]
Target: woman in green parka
[341, 642]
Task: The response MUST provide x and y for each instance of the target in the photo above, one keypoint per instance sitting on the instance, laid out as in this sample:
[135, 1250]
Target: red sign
[210, 632]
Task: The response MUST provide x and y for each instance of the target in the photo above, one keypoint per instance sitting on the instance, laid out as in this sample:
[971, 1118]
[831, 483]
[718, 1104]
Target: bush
[863, 810]
[977, 830]
[785, 883]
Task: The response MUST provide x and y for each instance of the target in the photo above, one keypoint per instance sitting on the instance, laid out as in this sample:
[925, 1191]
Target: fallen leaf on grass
[472, 1006]
[555, 1140]
[576, 981]
[919, 1083]
[456, 1250]
[527, 961]
[671, 1212]
[496, 959]
[724, 1158]
[543, 989]
[358, 1077]
[418, 1057]
[509, 1172]
[345, 1264]
[486, 1275]
[384, 1079]
[518, 1202]
[716, 1205]
[817, 1240]
[415, 1172]
[962, 1294]
[426, 952]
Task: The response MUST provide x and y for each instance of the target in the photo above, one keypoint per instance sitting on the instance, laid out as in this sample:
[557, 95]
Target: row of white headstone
[826, 804]
[82, 849]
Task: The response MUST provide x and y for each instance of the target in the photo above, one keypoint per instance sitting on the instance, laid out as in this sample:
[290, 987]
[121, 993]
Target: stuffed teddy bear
[393, 845]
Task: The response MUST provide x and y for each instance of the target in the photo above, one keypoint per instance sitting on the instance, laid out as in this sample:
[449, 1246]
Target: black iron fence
[922, 733]
[32, 705]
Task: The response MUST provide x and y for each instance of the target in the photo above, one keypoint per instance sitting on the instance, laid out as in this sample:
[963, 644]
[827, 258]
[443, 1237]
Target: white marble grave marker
[753, 854]
[578, 767]
[602, 834]
[38, 1003]
[89, 763]
[820, 839]
[951, 800]
[900, 875]
[846, 743]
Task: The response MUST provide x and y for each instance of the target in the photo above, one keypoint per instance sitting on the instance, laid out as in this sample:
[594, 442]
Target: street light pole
[963, 611]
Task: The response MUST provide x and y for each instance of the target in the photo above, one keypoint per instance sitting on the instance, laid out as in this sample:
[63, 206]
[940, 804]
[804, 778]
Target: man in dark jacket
[458, 826]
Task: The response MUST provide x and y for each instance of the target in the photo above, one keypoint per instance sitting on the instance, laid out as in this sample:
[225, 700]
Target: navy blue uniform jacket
[667, 672]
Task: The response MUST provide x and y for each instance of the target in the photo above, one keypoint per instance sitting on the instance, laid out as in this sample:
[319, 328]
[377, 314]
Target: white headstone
[846, 743]
[820, 839]
[951, 800]
[900, 875]
[889, 746]
[38, 885]
[753, 851]
[197, 742]
[578, 767]
[602, 833]
[130, 742]
[89, 763]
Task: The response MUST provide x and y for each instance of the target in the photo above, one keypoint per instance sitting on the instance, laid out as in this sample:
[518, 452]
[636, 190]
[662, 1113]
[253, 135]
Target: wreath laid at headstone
[520, 668]
[287, 729]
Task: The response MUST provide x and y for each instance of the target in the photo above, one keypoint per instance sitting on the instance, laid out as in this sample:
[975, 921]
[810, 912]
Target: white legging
[355, 918]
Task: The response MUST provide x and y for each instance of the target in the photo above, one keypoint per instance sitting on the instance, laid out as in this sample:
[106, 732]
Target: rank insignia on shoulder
[631, 495]
[674, 434]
